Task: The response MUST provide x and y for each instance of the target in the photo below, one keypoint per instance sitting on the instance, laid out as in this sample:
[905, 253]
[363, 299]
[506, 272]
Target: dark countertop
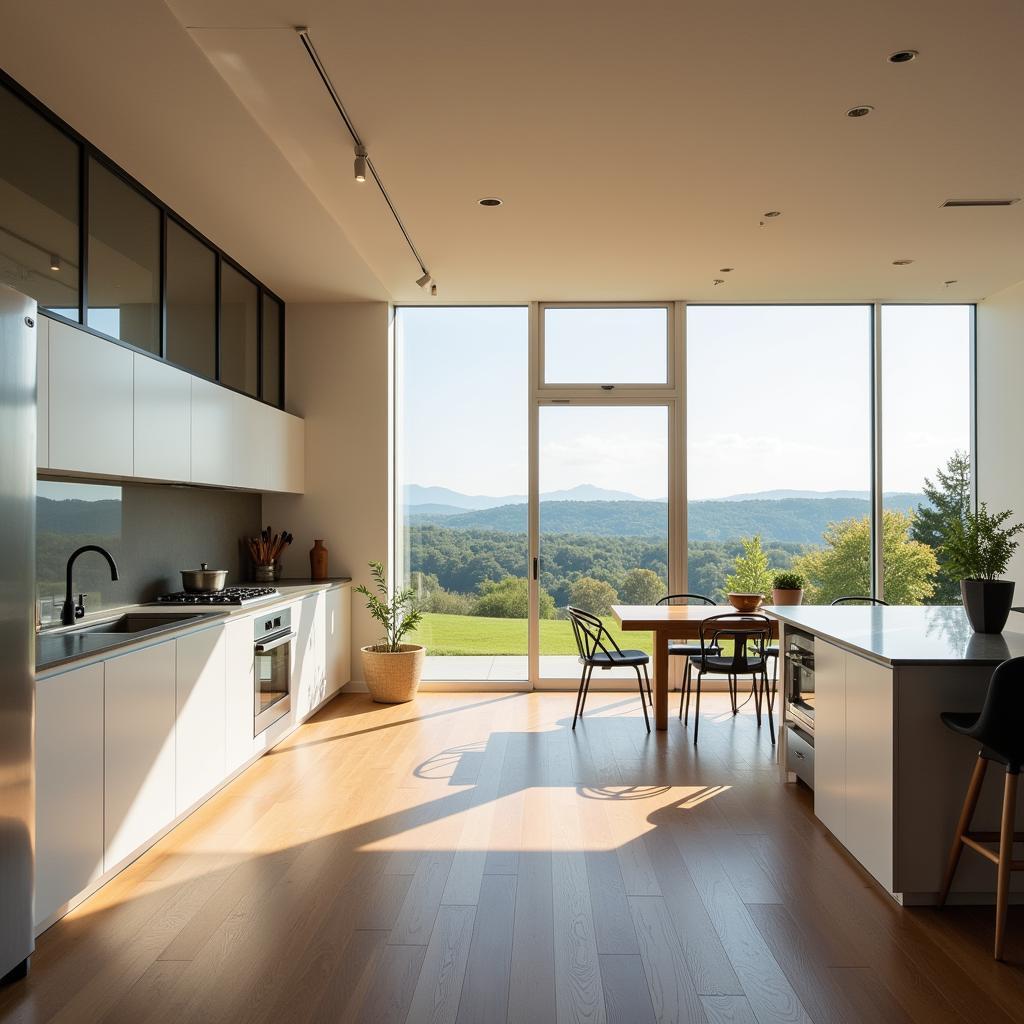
[904, 635]
[58, 649]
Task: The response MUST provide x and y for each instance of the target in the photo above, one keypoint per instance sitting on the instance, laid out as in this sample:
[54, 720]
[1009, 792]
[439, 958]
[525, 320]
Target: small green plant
[978, 546]
[789, 580]
[751, 574]
[397, 614]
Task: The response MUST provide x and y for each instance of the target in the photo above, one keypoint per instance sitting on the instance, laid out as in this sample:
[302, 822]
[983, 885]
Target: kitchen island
[888, 777]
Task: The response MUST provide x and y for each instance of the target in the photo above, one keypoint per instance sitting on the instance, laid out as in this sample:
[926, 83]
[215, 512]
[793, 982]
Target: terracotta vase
[318, 560]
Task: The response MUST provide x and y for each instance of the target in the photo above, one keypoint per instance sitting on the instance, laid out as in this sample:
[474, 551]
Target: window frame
[86, 152]
[609, 388]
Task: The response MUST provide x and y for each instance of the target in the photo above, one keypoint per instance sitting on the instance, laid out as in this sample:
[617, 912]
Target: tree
[510, 599]
[594, 596]
[843, 566]
[751, 574]
[641, 586]
[949, 501]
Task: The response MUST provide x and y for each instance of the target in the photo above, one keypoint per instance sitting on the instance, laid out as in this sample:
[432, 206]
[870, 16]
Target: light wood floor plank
[439, 988]
[486, 984]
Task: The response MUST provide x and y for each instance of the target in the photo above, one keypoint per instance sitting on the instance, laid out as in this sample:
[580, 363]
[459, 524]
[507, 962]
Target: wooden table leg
[660, 682]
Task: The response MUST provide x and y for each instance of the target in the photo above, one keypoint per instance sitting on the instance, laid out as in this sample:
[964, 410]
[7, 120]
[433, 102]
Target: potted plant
[392, 668]
[978, 549]
[788, 587]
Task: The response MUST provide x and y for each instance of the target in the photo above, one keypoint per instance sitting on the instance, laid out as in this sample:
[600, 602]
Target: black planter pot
[987, 603]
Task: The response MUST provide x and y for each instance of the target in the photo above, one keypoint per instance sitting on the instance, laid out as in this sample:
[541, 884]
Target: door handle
[536, 566]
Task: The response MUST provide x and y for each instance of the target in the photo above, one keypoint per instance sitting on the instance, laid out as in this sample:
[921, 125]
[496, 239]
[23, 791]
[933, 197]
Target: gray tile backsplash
[153, 531]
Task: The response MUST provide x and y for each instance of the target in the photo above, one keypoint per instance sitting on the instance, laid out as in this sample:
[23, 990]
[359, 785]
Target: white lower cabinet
[308, 621]
[127, 745]
[239, 697]
[200, 738]
[337, 638]
[138, 756]
[830, 737]
[69, 787]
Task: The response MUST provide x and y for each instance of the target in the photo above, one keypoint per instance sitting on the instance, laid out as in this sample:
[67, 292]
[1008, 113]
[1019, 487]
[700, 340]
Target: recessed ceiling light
[773, 213]
[725, 270]
[861, 111]
[490, 201]
[717, 281]
[902, 56]
[951, 281]
[902, 263]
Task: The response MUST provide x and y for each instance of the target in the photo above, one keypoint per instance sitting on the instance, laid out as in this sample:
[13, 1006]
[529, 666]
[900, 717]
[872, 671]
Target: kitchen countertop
[57, 649]
[905, 635]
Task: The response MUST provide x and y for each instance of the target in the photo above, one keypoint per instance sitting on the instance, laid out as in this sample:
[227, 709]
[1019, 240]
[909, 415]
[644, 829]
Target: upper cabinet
[163, 421]
[90, 404]
[107, 411]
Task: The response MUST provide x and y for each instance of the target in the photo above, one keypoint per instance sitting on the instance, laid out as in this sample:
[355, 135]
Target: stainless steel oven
[272, 698]
[800, 678]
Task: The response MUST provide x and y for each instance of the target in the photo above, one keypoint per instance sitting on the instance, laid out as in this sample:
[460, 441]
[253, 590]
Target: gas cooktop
[229, 595]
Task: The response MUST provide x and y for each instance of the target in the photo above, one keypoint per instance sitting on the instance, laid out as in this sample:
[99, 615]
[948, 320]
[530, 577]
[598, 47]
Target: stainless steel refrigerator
[17, 627]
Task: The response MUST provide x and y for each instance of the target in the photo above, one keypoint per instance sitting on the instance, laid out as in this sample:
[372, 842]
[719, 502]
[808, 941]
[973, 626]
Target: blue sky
[778, 397]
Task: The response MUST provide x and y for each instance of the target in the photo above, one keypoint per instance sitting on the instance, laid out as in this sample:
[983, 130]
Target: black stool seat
[998, 729]
[613, 658]
[960, 721]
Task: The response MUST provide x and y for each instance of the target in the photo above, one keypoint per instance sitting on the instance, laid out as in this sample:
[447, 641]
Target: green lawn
[472, 634]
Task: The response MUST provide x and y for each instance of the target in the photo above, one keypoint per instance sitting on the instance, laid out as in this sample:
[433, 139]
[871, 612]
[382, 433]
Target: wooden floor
[469, 859]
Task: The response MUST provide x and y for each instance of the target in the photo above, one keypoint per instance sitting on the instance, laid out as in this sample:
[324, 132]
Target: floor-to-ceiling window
[926, 444]
[461, 485]
[779, 448]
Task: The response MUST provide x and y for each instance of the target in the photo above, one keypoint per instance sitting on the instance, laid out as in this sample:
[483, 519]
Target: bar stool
[999, 728]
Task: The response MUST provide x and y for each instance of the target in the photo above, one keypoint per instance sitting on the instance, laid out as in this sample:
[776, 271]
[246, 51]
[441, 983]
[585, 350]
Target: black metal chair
[861, 600]
[750, 634]
[999, 730]
[598, 649]
[679, 648]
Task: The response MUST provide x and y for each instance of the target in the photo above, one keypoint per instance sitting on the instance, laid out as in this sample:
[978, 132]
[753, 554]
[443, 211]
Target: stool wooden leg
[1005, 859]
[963, 825]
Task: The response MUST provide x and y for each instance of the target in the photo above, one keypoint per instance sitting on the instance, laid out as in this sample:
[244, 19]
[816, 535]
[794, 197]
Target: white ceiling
[635, 145]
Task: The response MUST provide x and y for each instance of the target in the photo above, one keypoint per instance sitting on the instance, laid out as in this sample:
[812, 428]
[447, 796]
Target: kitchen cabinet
[869, 766]
[90, 401]
[853, 755]
[282, 452]
[199, 736]
[238, 690]
[830, 737]
[337, 638]
[69, 787]
[308, 620]
[42, 392]
[224, 449]
[162, 421]
[138, 749]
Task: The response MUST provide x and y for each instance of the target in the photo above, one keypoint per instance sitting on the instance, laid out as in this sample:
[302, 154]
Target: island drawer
[800, 754]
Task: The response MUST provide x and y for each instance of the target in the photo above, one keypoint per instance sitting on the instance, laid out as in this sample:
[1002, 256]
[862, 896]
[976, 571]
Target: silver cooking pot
[203, 580]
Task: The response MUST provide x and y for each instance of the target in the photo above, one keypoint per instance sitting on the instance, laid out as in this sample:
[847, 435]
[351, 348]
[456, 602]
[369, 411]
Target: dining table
[668, 622]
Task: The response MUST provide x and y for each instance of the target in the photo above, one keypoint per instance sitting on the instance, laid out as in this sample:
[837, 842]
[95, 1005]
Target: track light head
[424, 280]
[360, 163]
[54, 262]
[433, 290]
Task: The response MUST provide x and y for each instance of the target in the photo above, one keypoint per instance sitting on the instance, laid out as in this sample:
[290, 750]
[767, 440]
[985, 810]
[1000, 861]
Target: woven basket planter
[393, 677]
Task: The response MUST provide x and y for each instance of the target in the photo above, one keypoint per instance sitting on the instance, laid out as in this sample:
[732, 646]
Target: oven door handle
[272, 643]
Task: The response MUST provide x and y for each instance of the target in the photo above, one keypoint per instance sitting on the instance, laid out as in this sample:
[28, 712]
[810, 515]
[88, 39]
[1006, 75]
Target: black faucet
[72, 611]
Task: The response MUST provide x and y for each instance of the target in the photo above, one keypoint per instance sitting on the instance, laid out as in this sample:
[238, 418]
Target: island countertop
[906, 635]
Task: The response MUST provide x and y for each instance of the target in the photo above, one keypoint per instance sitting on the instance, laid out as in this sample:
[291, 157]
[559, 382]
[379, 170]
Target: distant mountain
[792, 520]
[100, 518]
[417, 497]
[897, 498]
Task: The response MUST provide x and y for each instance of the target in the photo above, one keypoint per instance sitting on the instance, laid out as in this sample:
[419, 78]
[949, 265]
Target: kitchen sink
[137, 622]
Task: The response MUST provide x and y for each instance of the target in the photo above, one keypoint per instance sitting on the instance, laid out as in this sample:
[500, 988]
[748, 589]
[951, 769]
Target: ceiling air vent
[981, 202]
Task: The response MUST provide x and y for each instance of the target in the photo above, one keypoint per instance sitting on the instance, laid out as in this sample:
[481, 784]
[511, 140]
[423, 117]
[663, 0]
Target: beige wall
[1001, 409]
[337, 380]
